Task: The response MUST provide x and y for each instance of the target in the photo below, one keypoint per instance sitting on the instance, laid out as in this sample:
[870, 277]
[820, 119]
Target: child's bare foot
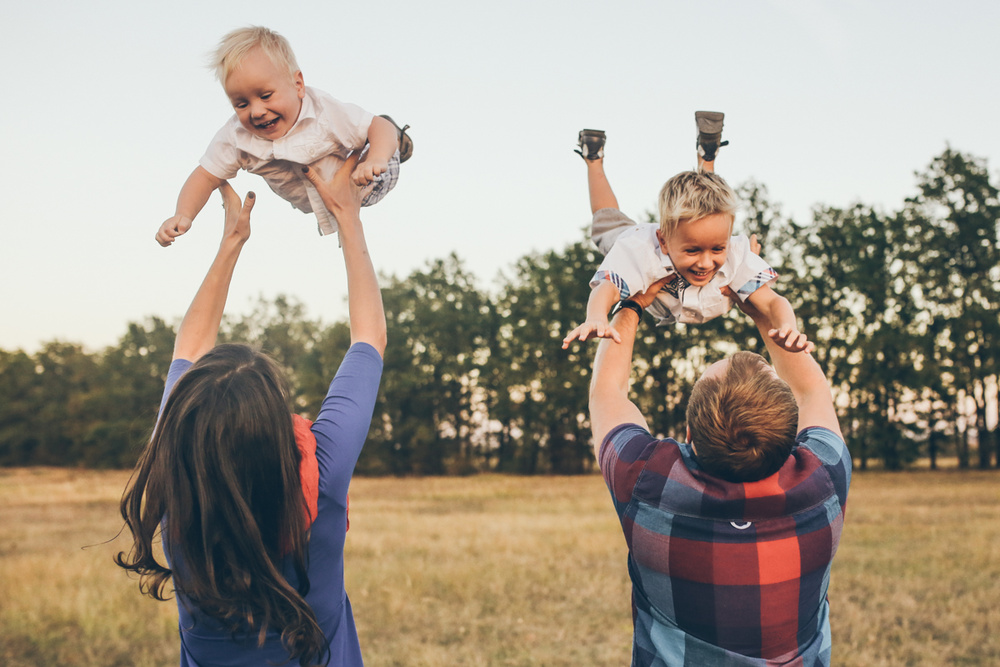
[591, 145]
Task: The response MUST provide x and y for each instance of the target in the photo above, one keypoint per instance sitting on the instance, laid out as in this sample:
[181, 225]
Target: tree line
[903, 307]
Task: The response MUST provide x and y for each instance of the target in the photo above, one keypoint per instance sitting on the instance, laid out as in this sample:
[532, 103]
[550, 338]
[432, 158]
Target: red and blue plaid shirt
[728, 573]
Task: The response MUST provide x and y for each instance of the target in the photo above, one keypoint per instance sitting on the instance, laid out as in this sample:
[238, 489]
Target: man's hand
[609, 402]
[172, 228]
[649, 296]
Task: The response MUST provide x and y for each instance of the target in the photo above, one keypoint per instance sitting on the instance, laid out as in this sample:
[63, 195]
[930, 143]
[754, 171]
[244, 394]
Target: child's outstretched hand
[792, 340]
[172, 228]
[366, 172]
[592, 329]
[788, 338]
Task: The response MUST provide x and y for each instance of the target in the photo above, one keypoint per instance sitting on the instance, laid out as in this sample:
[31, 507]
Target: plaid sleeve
[832, 452]
[630, 263]
[623, 456]
[750, 271]
[615, 279]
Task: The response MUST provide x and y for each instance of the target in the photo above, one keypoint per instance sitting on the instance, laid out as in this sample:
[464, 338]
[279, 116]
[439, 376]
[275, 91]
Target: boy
[280, 126]
[693, 243]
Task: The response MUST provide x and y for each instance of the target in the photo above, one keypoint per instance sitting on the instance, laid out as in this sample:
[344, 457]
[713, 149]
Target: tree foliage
[903, 307]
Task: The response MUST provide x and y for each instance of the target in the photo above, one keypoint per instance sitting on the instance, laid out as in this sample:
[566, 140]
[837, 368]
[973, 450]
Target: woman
[251, 502]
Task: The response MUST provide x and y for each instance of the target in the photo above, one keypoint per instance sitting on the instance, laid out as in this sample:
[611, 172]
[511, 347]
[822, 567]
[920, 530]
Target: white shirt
[324, 135]
[635, 262]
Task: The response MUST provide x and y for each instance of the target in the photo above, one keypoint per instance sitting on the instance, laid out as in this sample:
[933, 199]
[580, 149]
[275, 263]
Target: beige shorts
[605, 227]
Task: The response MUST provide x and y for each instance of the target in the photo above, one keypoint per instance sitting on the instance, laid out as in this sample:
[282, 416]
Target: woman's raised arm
[343, 198]
[200, 326]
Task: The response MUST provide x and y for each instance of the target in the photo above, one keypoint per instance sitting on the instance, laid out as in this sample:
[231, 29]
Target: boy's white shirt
[324, 135]
[635, 262]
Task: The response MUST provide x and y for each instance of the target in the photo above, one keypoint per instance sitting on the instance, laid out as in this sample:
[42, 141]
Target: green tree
[429, 419]
[954, 225]
[537, 392]
[856, 269]
[279, 328]
[18, 408]
[125, 396]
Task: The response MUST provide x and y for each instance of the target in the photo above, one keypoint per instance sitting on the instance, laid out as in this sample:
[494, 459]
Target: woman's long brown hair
[220, 478]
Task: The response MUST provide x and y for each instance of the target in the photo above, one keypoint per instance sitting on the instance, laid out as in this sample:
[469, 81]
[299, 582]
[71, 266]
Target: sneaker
[591, 143]
[405, 143]
[709, 133]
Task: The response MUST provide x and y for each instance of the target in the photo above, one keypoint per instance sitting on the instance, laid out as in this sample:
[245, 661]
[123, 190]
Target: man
[731, 536]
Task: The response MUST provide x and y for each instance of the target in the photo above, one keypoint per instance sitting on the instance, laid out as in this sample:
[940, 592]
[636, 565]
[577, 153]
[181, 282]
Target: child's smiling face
[266, 97]
[698, 248]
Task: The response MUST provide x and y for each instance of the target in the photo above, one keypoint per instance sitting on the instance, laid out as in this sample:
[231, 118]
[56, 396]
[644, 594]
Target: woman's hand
[237, 223]
[341, 194]
[198, 330]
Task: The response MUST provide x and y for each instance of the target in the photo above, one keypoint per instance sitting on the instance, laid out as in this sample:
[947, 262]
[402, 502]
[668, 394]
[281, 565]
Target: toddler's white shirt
[635, 262]
[324, 135]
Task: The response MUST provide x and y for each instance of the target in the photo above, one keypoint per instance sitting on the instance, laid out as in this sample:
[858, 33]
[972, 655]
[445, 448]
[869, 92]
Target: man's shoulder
[828, 447]
[832, 455]
[632, 443]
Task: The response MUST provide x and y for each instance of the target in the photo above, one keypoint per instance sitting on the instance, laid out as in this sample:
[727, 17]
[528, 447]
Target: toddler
[282, 125]
[692, 247]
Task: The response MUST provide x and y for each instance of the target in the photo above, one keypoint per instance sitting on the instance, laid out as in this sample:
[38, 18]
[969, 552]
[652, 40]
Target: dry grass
[917, 579]
[506, 571]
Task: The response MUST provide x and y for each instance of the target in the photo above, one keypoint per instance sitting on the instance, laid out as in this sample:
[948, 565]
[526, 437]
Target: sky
[109, 106]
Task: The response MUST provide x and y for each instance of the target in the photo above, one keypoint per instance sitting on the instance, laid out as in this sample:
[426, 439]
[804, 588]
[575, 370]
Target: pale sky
[109, 106]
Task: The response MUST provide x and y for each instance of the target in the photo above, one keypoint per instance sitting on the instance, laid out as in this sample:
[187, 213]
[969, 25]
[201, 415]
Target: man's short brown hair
[743, 424]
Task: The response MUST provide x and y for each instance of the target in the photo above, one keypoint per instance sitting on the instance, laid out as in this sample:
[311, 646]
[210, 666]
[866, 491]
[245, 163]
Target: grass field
[506, 571]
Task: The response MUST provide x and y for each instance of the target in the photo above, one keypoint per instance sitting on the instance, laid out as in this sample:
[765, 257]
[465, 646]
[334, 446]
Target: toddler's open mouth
[268, 125]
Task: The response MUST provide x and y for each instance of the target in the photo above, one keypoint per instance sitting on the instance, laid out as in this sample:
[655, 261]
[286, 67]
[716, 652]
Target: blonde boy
[280, 126]
[693, 245]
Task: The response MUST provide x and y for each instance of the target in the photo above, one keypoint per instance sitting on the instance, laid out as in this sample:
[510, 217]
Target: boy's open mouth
[269, 124]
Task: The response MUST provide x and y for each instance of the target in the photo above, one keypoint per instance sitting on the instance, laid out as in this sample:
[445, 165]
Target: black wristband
[631, 305]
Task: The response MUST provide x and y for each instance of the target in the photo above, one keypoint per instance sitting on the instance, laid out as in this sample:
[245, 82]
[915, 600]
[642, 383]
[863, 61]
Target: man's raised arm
[807, 381]
[609, 402]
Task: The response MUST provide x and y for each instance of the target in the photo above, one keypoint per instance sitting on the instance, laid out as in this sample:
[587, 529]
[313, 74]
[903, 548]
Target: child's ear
[663, 244]
[300, 84]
